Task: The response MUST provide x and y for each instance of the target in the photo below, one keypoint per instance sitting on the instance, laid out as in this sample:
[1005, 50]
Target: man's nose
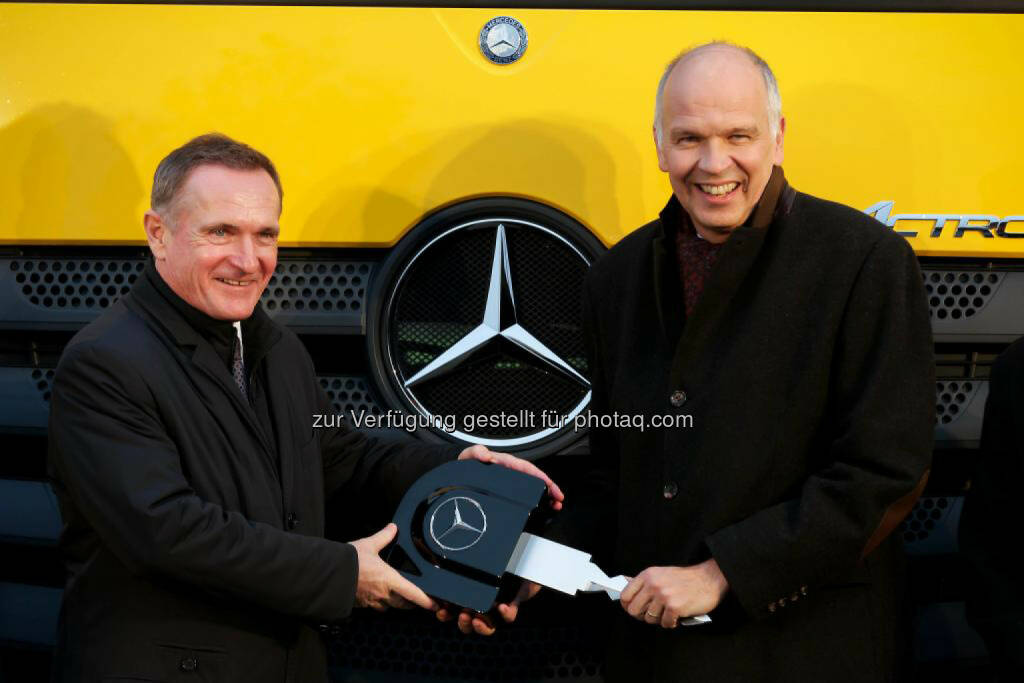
[244, 255]
[714, 158]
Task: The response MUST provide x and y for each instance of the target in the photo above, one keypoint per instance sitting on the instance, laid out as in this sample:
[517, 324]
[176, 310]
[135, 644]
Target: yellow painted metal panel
[377, 116]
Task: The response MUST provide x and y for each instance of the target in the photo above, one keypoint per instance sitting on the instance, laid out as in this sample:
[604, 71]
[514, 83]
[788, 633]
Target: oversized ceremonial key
[461, 529]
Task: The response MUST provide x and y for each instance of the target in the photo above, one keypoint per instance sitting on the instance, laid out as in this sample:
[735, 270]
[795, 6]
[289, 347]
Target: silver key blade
[560, 567]
[568, 570]
[550, 564]
[694, 621]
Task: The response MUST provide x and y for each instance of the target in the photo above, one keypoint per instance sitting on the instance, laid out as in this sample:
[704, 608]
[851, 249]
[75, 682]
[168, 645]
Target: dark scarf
[695, 256]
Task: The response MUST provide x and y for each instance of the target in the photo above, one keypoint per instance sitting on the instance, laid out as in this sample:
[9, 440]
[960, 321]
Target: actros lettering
[983, 224]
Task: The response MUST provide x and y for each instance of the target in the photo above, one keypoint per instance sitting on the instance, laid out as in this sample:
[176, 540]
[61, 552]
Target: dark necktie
[238, 368]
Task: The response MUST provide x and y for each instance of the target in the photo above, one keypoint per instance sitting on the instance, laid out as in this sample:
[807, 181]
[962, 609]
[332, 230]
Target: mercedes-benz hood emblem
[503, 40]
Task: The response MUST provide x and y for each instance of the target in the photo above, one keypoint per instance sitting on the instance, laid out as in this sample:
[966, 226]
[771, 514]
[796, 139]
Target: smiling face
[216, 245]
[717, 148]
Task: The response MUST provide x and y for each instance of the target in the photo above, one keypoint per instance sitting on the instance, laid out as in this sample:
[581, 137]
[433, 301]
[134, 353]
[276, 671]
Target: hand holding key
[671, 596]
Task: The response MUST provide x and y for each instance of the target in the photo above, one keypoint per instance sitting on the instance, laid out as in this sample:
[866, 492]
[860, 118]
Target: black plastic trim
[1000, 318]
[316, 291]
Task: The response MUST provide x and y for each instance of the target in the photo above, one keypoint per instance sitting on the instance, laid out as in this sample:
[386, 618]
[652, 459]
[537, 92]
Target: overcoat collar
[735, 260]
[189, 326]
[180, 326]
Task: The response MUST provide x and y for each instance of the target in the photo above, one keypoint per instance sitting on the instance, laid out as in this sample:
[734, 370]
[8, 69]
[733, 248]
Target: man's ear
[156, 234]
[662, 162]
[778, 141]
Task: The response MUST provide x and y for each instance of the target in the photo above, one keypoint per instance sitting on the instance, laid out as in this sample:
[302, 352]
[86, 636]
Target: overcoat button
[677, 398]
[292, 520]
[188, 664]
[670, 490]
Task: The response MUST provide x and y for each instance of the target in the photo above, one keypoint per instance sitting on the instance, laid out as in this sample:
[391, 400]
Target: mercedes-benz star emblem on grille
[458, 523]
[481, 331]
[499, 320]
[503, 40]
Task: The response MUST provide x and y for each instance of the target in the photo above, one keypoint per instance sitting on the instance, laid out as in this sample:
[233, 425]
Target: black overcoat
[193, 535]
[807, 370]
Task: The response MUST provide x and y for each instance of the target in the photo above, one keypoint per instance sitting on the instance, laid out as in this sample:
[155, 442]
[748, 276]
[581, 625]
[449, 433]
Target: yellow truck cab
[419, 145]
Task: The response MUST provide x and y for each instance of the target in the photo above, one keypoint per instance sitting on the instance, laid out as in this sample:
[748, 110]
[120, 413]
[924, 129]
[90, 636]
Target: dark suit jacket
[194, 544]
[807, 369]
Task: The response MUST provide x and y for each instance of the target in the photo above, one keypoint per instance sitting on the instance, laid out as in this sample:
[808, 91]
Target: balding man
[795, 332]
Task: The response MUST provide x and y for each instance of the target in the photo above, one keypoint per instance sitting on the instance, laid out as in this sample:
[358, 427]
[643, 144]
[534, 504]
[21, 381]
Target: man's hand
[470, 621]
[661, 595]
[379, 586]
[483, 454]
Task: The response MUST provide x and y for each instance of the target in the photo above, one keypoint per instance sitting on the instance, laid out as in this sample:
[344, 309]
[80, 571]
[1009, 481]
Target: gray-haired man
[190, 476]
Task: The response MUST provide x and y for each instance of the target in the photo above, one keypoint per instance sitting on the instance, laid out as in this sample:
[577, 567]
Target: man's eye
[219, 232]
[268, 235]
[740, 137]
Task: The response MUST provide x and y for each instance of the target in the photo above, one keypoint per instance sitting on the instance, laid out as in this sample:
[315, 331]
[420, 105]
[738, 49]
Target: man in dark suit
[190, 476]
[794, 335]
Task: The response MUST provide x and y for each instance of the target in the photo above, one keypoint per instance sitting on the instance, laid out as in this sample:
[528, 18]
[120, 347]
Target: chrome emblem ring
[458, 523]
[503, 40]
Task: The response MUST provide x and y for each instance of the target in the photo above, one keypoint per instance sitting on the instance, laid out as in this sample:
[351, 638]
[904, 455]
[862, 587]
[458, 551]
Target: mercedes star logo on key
[458, 523]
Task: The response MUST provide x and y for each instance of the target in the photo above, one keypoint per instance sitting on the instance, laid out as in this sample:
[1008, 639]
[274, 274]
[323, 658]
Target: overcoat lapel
[726, 277]
[204, 359]
[290, 435]
[671, 314]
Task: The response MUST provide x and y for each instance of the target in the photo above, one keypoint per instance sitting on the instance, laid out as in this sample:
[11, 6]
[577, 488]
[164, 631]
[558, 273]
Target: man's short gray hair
[214, 149]
[771, 87]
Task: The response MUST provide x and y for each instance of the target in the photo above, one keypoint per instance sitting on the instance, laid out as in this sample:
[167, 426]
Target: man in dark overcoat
[779, 349]
[191, 477]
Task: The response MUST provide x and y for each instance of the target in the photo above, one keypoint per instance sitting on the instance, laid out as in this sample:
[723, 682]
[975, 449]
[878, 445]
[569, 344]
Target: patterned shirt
[695, 256]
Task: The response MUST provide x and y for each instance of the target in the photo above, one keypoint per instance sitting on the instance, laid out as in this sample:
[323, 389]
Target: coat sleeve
[879, 444]
[371, 471]
[111, 453]
[995, 604]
